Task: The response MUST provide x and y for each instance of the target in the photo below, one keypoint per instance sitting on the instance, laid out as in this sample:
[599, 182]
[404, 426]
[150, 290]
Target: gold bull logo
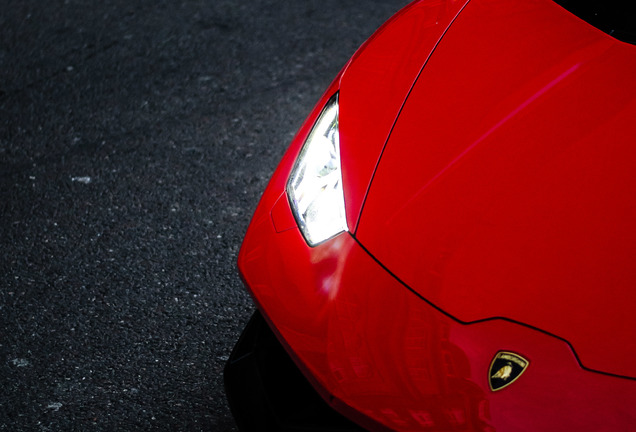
[506, 368]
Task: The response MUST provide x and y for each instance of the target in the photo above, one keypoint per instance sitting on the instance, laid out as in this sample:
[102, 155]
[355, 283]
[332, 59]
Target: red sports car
[449, 242]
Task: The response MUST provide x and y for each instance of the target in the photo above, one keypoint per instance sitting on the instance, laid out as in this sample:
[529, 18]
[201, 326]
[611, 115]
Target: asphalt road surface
[135, 140]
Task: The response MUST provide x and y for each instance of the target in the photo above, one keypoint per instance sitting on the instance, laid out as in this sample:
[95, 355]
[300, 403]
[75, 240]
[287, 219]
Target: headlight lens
[315, 183]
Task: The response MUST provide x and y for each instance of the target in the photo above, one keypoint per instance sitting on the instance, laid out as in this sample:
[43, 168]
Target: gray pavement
[135, 140]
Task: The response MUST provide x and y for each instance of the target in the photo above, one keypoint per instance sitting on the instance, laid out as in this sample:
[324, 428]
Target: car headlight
[315, 184]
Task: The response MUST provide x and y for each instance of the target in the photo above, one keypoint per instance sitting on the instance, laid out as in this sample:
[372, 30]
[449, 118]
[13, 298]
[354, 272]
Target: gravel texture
[135, 140]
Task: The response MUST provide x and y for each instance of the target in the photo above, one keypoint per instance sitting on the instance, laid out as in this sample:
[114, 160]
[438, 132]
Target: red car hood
[506, 188]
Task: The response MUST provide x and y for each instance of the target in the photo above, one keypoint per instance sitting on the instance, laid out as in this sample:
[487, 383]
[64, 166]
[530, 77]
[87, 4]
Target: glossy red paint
[507, 186]
[375, 85]
[500, 212]
[387, 359]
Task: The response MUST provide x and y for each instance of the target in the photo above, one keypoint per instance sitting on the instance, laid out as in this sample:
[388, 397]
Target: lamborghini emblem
[505, 369]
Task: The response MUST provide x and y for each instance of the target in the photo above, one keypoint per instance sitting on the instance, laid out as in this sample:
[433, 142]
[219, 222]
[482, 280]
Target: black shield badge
[505, 369]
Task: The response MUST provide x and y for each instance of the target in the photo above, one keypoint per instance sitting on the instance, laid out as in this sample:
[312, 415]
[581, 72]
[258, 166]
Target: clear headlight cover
[315, 183]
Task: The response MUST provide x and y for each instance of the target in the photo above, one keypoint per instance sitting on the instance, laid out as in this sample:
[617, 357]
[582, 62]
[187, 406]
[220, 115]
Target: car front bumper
[387, 359]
